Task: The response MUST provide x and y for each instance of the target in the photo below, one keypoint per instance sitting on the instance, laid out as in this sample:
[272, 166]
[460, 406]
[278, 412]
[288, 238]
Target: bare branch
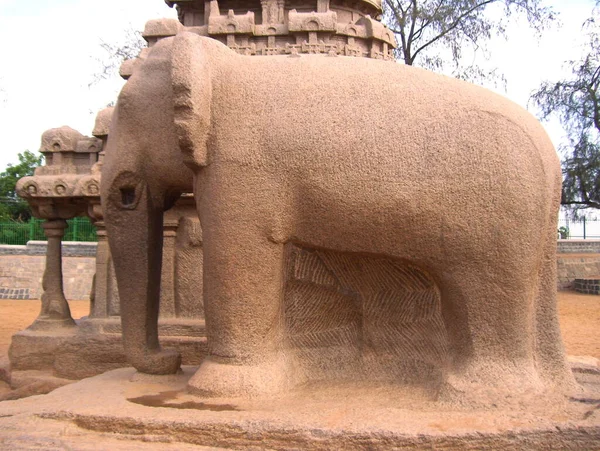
[453, 25]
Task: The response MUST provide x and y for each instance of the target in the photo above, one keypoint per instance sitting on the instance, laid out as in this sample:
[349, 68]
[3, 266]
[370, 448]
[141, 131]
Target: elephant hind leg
[549, 348]
[489, 320]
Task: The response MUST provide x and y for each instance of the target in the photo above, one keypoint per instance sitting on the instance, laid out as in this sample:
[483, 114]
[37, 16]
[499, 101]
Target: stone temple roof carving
[69, 183]
[275, 27]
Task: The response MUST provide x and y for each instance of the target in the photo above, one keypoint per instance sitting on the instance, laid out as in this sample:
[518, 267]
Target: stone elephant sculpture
[347, 154]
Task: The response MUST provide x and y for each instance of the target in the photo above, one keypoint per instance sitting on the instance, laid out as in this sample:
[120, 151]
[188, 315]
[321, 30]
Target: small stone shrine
[58, 349]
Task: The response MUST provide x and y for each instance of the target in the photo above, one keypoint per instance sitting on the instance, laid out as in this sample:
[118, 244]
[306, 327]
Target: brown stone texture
[424, 251]
[354, 318]
[67, 183]
[276, 27]
[150, 412]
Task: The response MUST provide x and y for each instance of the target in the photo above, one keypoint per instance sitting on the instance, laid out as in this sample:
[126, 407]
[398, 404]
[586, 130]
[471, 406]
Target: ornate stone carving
[330, 21]
[66, 176]
[332, 29]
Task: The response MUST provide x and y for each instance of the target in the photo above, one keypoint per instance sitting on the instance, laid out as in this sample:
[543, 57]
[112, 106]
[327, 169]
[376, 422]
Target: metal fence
[14, 232]
[580, 229]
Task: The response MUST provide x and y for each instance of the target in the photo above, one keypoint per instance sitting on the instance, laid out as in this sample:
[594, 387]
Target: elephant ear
[191, 97]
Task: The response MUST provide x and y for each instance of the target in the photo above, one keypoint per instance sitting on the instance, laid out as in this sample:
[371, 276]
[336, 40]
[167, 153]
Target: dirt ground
[579, 316]
[579, 320]
[17, 315]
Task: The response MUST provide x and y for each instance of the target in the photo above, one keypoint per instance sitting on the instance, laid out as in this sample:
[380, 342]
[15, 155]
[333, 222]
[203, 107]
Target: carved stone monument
[378, 259]
[70, 182]
[331, 251]
[277, 27]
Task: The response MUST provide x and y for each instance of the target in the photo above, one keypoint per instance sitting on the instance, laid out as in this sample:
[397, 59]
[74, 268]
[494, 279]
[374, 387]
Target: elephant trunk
[134, 223]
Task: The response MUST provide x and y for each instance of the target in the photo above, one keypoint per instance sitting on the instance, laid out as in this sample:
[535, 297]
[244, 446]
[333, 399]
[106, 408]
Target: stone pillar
[99, 307]
[55, 311]
[167, 283]
[188, 268]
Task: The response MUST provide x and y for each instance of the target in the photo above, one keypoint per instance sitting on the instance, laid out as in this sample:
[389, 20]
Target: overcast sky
[49, 52]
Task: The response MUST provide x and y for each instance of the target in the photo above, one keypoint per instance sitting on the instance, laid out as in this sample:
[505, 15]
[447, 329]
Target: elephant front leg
[243, 291]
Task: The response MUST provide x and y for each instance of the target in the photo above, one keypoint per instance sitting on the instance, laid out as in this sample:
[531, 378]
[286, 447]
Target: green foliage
[11, 206]
[436, 34]
[19, 233]
[563, 232]
[575, 102]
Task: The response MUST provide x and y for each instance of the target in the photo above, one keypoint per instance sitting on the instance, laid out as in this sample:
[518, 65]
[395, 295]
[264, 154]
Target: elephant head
[159, 131]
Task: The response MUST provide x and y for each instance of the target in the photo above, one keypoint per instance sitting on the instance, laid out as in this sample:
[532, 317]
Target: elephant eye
[127, 196]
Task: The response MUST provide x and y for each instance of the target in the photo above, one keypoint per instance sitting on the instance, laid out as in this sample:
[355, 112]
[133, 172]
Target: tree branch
[453, 25]
[413, 20]
[589, 203]
[428, 22]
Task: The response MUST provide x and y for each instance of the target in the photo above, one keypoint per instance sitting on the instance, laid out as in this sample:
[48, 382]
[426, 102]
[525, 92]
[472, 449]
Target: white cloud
[50, 60]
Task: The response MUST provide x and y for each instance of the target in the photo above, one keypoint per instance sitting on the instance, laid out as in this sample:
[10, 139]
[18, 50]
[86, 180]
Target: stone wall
[22, 268]
[587, 286]
[578, 246]
[577, 259]
[576, 266]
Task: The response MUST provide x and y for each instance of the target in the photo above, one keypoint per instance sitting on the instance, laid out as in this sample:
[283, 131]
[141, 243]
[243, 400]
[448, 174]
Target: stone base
[51, 325]
[157, 412]
[94, 347]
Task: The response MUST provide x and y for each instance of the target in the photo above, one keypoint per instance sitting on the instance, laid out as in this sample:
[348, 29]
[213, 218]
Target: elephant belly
[427, 224]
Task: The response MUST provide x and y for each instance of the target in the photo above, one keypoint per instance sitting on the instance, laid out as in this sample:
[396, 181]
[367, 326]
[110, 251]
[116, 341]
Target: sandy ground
[579, 316]
[579, 320]
[17, 315]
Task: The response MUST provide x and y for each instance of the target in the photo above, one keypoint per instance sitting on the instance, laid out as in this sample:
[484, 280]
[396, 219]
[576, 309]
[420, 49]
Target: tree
[575, 101]
[128, 47]
[13, 207]
[436, 34]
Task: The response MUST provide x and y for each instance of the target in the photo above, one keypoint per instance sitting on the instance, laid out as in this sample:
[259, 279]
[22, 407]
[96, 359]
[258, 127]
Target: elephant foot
[228, 380]
[491, 384]
[494, 385]
[164, 361]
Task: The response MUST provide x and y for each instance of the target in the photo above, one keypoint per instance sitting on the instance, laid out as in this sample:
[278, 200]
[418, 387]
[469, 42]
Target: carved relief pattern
[307, 32]
[347, 314]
